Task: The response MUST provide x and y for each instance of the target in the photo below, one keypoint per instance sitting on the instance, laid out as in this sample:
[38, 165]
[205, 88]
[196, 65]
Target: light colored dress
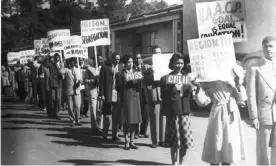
[224, 140]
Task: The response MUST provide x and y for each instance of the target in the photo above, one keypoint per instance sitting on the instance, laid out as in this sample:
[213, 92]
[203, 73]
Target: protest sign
[85, 52]
[26, 55]
[160, 65]
[134, 76]
[37, 46]
[57, 38]
[74, 47]
[176, 79]
[222, 17]
[212, 58]
[45, 50]
[95, 32]
[13, 58]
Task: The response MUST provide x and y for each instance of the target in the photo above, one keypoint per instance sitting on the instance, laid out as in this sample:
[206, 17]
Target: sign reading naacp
[95, 32]
[74, 47]
[45, 50]
[26, 56]
[134, 76]
[160, 65]
[222, 17]
[212, 58]
[57, 38]
[37, 46]
[13, 58]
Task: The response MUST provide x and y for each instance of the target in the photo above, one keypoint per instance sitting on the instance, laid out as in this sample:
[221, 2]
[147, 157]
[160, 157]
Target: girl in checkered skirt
[175, 105]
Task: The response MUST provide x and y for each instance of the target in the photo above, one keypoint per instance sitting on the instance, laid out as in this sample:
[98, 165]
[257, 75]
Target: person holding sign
[261, 87]
[175, 94]
[224, 140]
[129, 85]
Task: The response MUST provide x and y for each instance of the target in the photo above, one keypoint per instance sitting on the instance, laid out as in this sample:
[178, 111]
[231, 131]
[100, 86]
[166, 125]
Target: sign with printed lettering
[222, 17]
[134, 76]
[58, 38]
[176, 79]
[74, 47]
[45, 50]
[37, 46]
[13, 58]
[212, 58]
[26, 55]
[95, 32]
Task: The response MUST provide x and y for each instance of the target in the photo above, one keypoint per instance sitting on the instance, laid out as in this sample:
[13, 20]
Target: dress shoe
[104, 138]
[117, 139]
[78, 124]
[161, 144]
[58, 118]
[154, 145]
[127, 146]
[133, 146]
[136, 136]
[146, 136]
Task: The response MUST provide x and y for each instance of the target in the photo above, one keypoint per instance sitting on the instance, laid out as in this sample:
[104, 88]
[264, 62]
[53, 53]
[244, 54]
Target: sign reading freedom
[95, 32]
[212, 58]
[134, 76]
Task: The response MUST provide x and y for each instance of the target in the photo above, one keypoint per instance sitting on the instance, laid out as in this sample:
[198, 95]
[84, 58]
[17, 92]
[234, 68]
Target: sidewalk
[28, 137]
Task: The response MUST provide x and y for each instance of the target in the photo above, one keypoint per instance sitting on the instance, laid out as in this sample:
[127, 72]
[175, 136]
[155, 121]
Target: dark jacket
[55, 76]
[106, 81]
[172, 103]
[144, 98]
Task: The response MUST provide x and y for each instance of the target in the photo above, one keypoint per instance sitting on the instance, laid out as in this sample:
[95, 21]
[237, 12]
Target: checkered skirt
[185, 138]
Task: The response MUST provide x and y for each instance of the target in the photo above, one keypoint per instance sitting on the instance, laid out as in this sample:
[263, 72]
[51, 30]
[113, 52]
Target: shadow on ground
[118, 162]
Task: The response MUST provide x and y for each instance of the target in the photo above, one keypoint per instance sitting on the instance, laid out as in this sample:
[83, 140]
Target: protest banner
[222, 17]
[74, 48]
[95, 32]
[26, 55]
[13, 58]
[45, 50]
[134, 76]
[57, 39]
[37, 46]
[212, 58]
[160, 65]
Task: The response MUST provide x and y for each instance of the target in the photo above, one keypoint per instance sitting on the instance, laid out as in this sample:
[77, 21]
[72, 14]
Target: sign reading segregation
[222, 17]
[212, 58]
[95, 32]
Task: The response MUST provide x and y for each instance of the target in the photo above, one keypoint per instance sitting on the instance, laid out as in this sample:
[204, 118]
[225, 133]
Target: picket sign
[26, 55]
[13, 58]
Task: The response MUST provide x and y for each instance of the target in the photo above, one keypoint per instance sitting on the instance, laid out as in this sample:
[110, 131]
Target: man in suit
[157, 120]
[261, 85]
[109, 95]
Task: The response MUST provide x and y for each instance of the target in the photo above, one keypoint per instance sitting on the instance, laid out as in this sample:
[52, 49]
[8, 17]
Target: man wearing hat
[261, 86]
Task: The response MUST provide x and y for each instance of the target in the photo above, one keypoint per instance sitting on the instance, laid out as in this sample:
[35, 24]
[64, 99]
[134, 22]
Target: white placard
[95, 32]
[13, 58]
[222, 17]
[212, 58]
[26, 55]
[37, 46]
[85, 52]
[45, 50]
[58, 38]
[160, 65]
[74, 48]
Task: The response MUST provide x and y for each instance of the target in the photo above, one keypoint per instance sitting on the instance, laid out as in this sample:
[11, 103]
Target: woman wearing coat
[224, 140]
[176, 107]
[130, 102]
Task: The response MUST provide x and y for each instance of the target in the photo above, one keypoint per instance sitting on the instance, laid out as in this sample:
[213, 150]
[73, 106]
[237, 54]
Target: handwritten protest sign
[45, 50]
[212, 58]
[74, 47]
[57, 38]
[222, 17]
[37, 46]
[160, 65]
[95, 32]
[134, 76]
[13, 58]
[176, 79]
[26, 56]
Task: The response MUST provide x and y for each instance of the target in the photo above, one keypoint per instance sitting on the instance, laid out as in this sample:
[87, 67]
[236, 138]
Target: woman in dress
[224, 140]
[176, 106]
[5, 80]
[130, 101]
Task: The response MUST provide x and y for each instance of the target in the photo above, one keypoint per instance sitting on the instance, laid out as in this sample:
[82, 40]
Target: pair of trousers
[21, 90]
[42, 94]
[95, 109]
[157, 123]
[114, 117]
[84, 103]
[265, 154]
[74, 104]
[35, 88]
[55, 101]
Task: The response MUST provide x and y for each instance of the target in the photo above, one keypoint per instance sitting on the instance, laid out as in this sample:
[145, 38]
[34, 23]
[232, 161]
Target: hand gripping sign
[95, 32]
[57, 39]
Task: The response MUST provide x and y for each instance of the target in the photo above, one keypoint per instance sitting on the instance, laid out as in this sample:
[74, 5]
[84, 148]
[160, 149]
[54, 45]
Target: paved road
[28, 137]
